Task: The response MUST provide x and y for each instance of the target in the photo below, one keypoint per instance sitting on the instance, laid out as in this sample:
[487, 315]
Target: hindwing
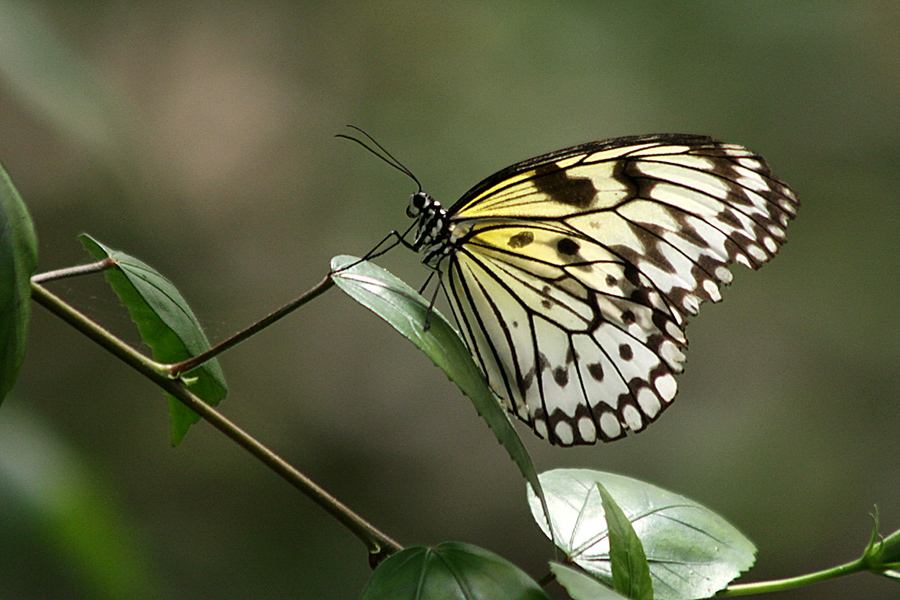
[572, 274]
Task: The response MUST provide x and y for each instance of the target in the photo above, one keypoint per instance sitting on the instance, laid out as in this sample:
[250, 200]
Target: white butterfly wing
[573, 273]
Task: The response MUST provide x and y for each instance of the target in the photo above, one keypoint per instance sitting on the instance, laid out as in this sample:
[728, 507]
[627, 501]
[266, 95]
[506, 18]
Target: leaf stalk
[176, 369]
[788, 583]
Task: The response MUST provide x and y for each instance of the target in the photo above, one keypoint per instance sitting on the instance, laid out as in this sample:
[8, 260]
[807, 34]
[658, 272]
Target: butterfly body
[572, 274]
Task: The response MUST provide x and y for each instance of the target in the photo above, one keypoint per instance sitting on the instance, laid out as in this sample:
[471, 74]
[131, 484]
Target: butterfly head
[418, 203]
[432, 221]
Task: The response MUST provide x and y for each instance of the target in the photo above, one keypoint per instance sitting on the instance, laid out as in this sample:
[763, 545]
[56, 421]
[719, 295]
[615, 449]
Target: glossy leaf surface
[692, 552]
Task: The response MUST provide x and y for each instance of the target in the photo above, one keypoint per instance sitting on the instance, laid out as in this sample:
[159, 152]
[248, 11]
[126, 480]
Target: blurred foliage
[197, 136]
[55, 502]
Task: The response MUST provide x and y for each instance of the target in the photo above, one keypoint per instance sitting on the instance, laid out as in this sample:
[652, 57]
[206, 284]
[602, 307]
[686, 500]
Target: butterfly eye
[417, 203]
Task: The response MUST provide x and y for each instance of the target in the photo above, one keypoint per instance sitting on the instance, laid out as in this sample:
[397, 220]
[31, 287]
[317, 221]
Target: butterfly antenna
[383, 155]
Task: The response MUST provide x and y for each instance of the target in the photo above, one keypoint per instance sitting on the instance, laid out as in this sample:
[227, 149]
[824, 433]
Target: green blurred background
[198, 136]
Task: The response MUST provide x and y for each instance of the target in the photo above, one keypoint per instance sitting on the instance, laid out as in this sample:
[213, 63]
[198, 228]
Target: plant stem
[177, 369]
[378, 543]
[73, 271]
[743, 589]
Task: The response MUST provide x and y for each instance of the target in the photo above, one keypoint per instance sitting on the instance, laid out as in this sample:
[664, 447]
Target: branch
[379, 544]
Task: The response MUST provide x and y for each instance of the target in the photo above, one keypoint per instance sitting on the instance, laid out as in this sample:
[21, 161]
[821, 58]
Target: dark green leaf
[692, 552]
[630, 572]
[405, 310]
[166, 324]
[450, 571]
[581, 586]
[18, 260]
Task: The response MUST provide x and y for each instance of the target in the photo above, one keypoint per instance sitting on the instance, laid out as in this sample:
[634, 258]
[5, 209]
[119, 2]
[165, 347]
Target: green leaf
[581, 586]
[405, 310]
[692, 552]
[630, 571]
[450, 571]
[18, 260]
[166, 324]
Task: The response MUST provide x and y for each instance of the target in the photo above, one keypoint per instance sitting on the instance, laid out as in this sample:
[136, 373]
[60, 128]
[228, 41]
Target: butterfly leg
[437, 288]
[400, 239]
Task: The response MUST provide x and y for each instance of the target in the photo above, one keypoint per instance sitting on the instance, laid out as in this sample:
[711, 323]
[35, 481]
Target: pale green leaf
[692, 552]
[405, 310]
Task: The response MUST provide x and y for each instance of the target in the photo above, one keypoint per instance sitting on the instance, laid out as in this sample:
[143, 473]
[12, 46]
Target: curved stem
[378, 543]
[183, 367]
[743, 589]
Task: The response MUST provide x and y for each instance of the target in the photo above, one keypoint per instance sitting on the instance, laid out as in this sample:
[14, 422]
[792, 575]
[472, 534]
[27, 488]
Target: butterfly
[572, 275]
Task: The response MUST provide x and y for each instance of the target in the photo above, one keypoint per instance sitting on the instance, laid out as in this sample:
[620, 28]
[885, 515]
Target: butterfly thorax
[434, 232]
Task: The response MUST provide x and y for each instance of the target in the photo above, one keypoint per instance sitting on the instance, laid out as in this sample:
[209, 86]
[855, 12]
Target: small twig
[73, 271]
[378, 543]
[177, 369]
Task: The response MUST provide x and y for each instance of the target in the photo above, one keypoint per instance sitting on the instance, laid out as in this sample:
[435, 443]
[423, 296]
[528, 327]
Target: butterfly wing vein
[574, 274]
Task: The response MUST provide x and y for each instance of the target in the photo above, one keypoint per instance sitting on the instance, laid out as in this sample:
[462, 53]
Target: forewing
[574, 273]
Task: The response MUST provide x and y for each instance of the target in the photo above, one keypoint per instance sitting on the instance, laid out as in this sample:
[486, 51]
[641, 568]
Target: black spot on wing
[543, 362]
[556, 183]
[521, 239]
[567, 246]
[561, 376]
[547, 300]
